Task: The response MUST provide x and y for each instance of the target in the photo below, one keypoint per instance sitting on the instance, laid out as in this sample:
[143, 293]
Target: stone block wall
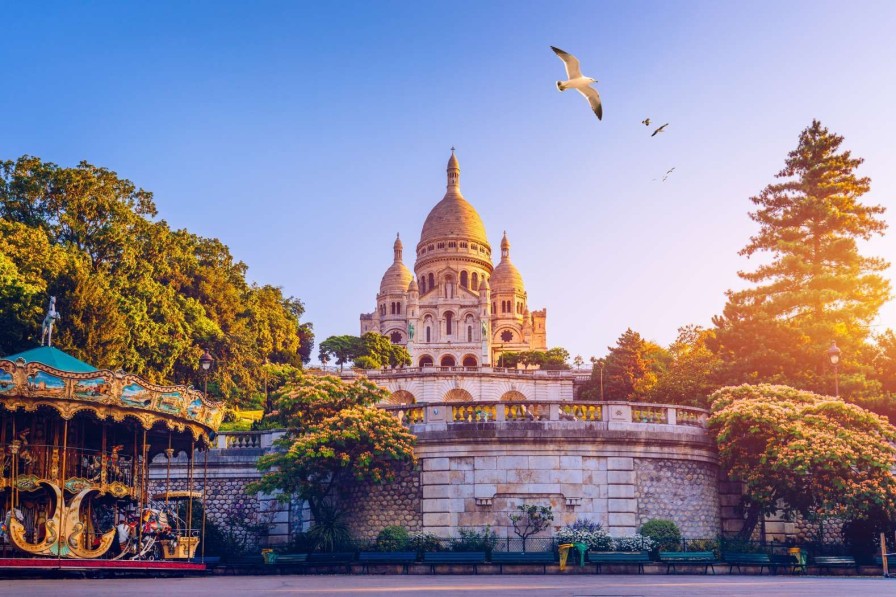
[374, 507]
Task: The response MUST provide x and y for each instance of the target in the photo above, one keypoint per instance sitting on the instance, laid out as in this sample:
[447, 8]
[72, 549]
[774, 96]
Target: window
[506, 335]
[448, 318]
[452, 245]
[475, 281]
[431, 283]
[422, 284]
[426, 361]
[463, 279]
[398, 308]
[463, 245]
[494, 308]
[423, 251]
[469, 361]
[440, 245]
[469, 333]
[448, 361]
[383, 309]
[430, 248]
[395, 337]
[428, 335]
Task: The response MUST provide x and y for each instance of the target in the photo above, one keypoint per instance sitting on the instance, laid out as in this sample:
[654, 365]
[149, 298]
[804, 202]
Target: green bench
[404, 558]
[891, 561]
[290, 561]
[332, 559]
[835, 562]
[787, 561]
[468, 558]
[672, 559]
[622, 558]
[737, 559]
[523, 557]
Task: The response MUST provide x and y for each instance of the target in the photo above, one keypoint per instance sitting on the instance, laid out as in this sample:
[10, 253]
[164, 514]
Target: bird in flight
[576, 81]
[646, 122]
[668, 172]
[659, 130]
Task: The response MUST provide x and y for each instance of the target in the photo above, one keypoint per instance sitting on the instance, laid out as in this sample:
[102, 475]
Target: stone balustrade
[574, 374]
[451, 413]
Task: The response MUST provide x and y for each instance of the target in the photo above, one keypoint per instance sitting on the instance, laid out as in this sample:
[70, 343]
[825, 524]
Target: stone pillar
[622, 507]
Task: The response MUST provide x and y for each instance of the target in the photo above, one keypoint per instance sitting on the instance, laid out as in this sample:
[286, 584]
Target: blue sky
[305, 135]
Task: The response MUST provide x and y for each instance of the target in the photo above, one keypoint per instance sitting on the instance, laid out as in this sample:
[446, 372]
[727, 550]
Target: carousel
[76, 443]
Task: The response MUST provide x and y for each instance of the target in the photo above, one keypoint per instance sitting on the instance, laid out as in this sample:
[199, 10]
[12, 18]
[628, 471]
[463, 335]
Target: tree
[555, 358]
[809, 454]
[816, 286]
[532, 519]
[342, 349]
[335, 439]
[691, 373]
[578, 361]
[629, 370]
[370, 351]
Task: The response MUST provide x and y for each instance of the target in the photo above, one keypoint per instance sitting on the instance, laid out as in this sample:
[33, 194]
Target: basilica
[456, 309]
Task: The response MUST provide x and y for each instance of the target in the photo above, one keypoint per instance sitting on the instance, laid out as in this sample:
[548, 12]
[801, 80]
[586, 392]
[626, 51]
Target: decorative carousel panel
[96, 388]
[46, 384]
[135, 395]
[172, 403]
[7, 382]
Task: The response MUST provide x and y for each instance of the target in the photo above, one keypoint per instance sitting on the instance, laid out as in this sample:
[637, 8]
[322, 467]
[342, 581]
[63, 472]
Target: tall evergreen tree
[815, 288]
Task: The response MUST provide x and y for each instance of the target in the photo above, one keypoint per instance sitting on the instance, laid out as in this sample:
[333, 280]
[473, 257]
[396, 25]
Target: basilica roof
[506, 276]
[453, 216]
[397, 277]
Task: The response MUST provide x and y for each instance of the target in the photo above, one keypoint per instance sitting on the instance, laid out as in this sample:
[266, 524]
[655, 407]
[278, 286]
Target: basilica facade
[456, 309]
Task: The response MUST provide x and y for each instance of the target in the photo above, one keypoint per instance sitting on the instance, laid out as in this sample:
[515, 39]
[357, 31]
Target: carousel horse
[113, 469]
[26, 458]
[46, 330]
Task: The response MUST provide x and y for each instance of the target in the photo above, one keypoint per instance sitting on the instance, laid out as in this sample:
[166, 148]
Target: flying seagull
[576, 81]
[668, 172]
[646, 122]
[659, 130]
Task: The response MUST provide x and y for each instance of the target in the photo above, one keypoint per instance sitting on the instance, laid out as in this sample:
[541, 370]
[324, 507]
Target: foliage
[422, 542]
[705, 545]
[532, 519]
[588, 532]
[133, 293]
[815, 287]
[691, 373]
[392, 538]
[634, 543]
[335, 440]
[239, 531]
[330, 529]
[370, 351]
[629, 371]
[664, 533]
[551, 359]
[475, 540]
[811, 454]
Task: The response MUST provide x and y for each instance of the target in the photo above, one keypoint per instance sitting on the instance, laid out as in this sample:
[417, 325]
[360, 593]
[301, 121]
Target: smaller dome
[397, 278]
[506, 276]
[412, 287]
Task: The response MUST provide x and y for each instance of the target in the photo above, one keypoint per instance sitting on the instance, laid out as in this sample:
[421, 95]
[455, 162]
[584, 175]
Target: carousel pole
[204, 497]
[144, 452]
[14, 465]
[190, 494]
[169, 453]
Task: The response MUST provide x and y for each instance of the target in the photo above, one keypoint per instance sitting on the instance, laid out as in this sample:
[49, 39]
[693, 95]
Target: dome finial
[397, 247]
[453, 171]
[505, 247]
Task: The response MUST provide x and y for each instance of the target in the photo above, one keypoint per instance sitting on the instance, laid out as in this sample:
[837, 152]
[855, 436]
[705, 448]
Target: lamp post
[834, 355]
[601, 363]
[205, 361]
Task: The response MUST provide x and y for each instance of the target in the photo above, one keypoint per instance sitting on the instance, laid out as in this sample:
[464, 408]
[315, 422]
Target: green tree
[341, 349]
[531, 520]
[336, 439]
[691, 372]
[810, 454]
[816, 287]
[629, 370]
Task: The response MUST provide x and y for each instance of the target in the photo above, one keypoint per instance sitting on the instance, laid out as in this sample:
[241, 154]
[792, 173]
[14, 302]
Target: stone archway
[513, 396]
[457, 395]
[470, 361]
[426, 361]
[447, 361]
[400, 397]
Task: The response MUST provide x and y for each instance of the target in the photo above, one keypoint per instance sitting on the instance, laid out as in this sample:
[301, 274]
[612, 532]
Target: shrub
[392, 538]
[704, 545]
[473, 540]
[588, 532]
[422, 542]
[634, 543]
[664, 533]
[330, 532]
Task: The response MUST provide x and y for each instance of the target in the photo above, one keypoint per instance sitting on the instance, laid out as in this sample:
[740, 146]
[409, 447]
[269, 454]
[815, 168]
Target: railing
[451, 413]
[348, 371]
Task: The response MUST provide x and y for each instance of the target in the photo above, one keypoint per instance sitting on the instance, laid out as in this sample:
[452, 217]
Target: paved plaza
[446, 586]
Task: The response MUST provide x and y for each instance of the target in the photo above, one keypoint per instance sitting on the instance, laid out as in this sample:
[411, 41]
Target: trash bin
[799, 557]
[581, 548]
[269, 555]
[564, 553]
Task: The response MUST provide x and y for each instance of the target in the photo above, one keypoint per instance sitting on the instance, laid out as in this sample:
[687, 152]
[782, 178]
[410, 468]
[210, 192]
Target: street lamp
[205, 361]
[834, 355]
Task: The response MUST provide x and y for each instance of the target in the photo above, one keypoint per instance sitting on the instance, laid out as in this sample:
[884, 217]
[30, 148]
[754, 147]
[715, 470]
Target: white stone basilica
[459, 310]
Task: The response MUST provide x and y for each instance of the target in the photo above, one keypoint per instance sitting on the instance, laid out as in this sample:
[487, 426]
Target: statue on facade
[410, 331]
[46, 333]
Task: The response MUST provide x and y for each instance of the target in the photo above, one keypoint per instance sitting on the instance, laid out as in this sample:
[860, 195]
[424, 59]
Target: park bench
[249, 563]
[737, 559]
[288, 562]
[471, 558]
[332, 559]
[787, 561]
[622, 558]
[523, 557]
[368, 558]
[891, 561]
[672, 559]
[835, 562]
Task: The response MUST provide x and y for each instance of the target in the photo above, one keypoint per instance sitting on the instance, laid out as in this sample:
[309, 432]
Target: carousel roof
[52, 357]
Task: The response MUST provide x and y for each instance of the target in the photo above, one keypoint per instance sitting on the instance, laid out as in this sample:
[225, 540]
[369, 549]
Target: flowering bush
[588, 532]
[422, 541]
[634, 543]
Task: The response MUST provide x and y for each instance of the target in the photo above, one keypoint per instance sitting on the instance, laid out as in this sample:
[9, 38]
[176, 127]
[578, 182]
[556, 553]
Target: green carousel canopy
[47, 376]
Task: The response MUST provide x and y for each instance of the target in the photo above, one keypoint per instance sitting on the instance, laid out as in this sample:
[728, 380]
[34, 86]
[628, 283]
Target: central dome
[453, 216]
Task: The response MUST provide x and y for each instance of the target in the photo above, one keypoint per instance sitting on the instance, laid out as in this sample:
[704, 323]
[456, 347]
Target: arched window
[448, 361]
[426, 361]
[475, 281]
[448, 318]
[469, 333]
[428, 334]
[431, 283]
[383, 309]
[398, 308]
[422, 284]
[469, 361]
[494, 308]
[463, 279]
